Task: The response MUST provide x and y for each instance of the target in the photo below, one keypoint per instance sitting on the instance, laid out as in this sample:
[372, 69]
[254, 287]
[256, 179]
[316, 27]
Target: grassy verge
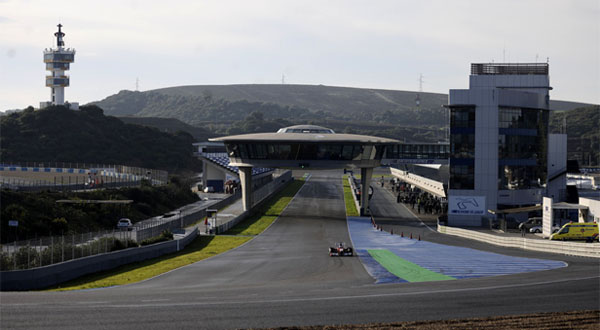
[201, 248]
[350, 206]
[267, 213]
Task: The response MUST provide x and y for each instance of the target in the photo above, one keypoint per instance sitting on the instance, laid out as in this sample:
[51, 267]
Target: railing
[39, 252]
[72, 176]
[568, 248]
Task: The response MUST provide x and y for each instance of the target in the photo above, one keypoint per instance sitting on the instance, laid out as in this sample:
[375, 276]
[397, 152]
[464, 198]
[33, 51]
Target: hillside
[62, 135]
[169, 125]
[236, 109]
[583, 133]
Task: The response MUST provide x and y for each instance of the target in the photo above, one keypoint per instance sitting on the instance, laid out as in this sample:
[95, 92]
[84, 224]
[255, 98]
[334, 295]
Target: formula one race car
[340, 250]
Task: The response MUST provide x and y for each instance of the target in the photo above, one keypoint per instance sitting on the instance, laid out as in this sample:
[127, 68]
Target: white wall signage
[547, 216]
[466, 205]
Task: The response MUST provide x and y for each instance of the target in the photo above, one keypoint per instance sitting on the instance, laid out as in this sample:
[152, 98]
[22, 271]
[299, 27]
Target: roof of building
[323, 135]
[221, 160]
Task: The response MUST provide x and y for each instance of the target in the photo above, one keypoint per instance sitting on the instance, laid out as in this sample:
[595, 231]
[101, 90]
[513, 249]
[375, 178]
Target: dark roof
[223, 161]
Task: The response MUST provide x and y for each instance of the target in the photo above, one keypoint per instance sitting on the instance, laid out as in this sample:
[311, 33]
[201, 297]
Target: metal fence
[74, 176]
[45, 251]
[50, 250]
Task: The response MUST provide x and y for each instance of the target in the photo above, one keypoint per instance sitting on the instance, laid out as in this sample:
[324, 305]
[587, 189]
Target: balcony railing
[509, 68]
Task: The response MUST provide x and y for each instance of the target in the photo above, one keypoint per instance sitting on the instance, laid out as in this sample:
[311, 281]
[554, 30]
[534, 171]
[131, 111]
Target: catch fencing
[39, 252]
[31, 176]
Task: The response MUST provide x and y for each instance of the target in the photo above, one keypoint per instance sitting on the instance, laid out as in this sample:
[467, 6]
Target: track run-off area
[285, 277]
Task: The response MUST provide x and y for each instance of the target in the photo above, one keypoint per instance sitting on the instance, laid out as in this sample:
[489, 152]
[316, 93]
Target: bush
[166, 235]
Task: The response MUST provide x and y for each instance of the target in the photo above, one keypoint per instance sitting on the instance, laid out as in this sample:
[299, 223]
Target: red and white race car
[340, 250]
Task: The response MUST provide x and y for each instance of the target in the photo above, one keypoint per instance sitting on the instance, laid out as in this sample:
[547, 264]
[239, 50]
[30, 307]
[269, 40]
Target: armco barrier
[568, 248]
[43, 277]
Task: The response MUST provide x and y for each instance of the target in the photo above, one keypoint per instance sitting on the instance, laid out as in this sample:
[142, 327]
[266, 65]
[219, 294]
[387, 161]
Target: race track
[285, 277]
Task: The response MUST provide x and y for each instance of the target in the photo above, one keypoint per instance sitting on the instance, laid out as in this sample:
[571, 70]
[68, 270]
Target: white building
[57, 62]
[501, 155]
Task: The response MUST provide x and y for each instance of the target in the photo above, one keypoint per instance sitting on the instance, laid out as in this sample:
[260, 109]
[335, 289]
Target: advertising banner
[466, 205]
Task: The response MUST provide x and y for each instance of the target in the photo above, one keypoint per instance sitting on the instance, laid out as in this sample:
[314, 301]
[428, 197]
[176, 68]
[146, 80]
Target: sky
[365, 44]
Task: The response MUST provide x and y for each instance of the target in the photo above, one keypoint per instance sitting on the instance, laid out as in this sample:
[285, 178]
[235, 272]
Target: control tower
[57, 62]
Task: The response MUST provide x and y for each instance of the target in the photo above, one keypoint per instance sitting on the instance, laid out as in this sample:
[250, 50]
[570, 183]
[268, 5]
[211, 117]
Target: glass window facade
[57, 65]
[305, 151]
[462, 148]
[522, 145]
[462, 176]
[57, 57]
[417, 151]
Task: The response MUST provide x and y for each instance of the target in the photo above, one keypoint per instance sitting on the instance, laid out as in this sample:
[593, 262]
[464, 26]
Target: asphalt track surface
[285, 277]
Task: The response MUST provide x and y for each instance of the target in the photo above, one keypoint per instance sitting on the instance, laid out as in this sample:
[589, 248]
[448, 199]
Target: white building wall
[593, 212]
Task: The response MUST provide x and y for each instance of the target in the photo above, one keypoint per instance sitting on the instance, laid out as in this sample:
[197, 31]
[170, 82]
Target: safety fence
[75, 176]
[51, 275]
[39, 252]
[568, 248]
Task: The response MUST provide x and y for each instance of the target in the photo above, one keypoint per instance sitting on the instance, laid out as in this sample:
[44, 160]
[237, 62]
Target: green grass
[405, 269]
[350, 205]
[267, 213]
[201, 248]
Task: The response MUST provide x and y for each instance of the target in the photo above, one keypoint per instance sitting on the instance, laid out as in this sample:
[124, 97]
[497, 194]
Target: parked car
[124, 223]
[539, 229]
[532, 222]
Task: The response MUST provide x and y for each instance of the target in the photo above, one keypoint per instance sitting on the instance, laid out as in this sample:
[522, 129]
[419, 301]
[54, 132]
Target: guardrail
[568, 248]
[47, 276]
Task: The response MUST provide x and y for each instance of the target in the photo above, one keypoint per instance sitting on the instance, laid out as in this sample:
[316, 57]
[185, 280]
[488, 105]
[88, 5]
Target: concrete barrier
[353, 191]
[269, 190]
[43, 277]
[567, 248]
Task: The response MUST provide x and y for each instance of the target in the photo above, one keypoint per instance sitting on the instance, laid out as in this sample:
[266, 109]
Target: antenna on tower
[420, 82]
[283, 79]
[137, 84]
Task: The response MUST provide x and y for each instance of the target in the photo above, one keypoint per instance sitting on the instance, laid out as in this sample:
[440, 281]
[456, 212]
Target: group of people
[420, 200]
[231, 186]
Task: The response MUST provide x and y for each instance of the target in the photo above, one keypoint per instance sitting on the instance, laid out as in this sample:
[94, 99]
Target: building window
[522, 148]
[462, 176]
[462, 117]
[462, 148]
[521, 177]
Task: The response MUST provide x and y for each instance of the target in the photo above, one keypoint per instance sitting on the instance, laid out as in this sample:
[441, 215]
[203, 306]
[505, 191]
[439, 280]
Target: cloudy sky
[370, 44]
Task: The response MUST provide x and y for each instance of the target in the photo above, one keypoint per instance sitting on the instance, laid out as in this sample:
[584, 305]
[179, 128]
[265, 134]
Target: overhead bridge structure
[304, 147]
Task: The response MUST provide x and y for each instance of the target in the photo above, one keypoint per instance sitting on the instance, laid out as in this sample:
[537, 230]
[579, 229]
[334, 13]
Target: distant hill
[235, 109]
[169, 125]
[56, 134]
[583, 133]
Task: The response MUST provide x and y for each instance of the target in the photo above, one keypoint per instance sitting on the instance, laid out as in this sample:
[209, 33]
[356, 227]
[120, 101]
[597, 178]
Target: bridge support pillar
[365, 183]
[245, 173]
